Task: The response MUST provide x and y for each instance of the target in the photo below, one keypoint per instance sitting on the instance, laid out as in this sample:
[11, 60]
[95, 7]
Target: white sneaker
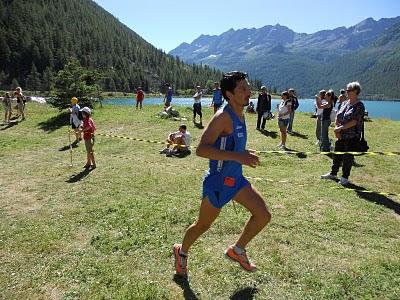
[343, 181]
[328, 176]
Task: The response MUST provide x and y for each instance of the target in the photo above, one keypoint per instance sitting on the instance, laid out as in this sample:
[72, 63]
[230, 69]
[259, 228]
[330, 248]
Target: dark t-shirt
[348, 113]
[263, 103]
[326, 113]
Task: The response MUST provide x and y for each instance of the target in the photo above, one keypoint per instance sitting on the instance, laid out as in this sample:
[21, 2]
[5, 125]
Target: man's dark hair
[230, 80]
[183, 126]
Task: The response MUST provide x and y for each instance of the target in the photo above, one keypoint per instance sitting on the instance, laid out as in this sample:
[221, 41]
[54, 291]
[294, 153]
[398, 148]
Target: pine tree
[33, 82]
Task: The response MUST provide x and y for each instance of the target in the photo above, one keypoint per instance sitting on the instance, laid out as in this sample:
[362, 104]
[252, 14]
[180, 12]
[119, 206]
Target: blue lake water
[376, 109]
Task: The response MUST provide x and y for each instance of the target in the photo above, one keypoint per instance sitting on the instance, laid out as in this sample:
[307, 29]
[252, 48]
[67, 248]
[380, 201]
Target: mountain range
[281, 58]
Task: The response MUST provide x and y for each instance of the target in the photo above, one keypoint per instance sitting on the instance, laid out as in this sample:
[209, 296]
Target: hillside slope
[37, 37]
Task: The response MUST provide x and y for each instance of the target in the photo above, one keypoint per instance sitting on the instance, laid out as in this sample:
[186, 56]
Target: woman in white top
[284, 110]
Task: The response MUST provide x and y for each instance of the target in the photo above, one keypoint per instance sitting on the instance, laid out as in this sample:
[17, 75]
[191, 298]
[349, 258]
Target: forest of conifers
[38, 37]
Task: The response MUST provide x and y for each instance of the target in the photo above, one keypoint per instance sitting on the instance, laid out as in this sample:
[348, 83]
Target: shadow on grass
[298, 134]
[244, 293]
[78, 177]
[271, 134]
[182, 154]
[9, 125]
[67, 147]
[55, 123]
[299, 154]
[183, 283]
[376, 198]
[198, 125]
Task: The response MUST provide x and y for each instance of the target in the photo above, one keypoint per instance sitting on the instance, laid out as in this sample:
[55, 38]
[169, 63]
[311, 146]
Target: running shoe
[242, 259]
[328, 176]
[180, 261]
[343, 181]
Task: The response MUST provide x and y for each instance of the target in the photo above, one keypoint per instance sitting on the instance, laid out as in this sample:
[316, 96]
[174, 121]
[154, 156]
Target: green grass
[109, 235]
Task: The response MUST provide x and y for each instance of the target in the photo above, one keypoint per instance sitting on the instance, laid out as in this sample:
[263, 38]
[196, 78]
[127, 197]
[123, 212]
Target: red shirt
[140, 95]
[88, 123]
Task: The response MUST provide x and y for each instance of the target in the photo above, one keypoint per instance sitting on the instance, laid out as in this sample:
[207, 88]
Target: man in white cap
[263, 106]
[197, 105]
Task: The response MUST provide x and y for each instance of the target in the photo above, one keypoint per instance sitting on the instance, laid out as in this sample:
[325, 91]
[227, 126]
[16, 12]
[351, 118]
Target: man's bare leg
[208, 214]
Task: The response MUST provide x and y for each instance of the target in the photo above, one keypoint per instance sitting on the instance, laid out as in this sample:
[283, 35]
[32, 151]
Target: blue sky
[166, 24]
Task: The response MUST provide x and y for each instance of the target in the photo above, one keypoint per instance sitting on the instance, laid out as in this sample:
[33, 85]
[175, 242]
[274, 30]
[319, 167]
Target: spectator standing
[75, 120]
[326, 107]
[88, 129]
[284, 110]
[349, 125]
[197, 105]
[168, 95]
[342, 98]
[7, 108]
[318, 113]
[217, 100]
[295, 105]
[263, 106]
[139, 97]
[20, 102]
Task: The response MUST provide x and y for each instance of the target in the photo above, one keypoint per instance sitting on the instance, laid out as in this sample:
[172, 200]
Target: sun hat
[86, 110]
[74, 100]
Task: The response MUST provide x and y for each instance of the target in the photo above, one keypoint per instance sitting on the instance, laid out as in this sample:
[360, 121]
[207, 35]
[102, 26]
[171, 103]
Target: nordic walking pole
[70, 146]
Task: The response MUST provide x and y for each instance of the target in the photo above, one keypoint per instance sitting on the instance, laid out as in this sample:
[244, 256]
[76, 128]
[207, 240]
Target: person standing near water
[168, 95]
[139, 97]
[197, 105]
[284, 109]
[223, 142]
[295, 105]
[349, 125]
[263, 106]
[217, 100]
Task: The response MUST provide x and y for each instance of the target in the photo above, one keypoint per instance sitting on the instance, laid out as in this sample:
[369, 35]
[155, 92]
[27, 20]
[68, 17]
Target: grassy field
[107, 234]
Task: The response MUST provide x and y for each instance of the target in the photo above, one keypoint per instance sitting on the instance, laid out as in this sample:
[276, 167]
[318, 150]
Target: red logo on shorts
[229, 181]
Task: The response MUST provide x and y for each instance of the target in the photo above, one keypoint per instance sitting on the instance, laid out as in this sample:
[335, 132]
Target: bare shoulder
[223, 121]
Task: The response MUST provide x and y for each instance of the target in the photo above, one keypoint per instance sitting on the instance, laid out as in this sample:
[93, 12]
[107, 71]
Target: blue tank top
[236, 142]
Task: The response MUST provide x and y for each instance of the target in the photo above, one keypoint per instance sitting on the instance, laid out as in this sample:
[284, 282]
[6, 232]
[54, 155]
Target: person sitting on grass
[180, 140]
[75, 120]
[250, 108]
[88, 129]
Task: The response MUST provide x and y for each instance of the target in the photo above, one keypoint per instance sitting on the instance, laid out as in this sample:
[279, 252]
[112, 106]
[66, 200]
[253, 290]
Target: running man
[224, 143]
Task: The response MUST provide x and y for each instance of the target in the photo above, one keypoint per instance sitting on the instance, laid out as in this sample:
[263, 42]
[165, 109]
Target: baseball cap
[86, 110]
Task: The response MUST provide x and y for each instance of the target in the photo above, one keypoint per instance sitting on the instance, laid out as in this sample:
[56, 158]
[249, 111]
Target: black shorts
[73, 126]
[197, 109]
